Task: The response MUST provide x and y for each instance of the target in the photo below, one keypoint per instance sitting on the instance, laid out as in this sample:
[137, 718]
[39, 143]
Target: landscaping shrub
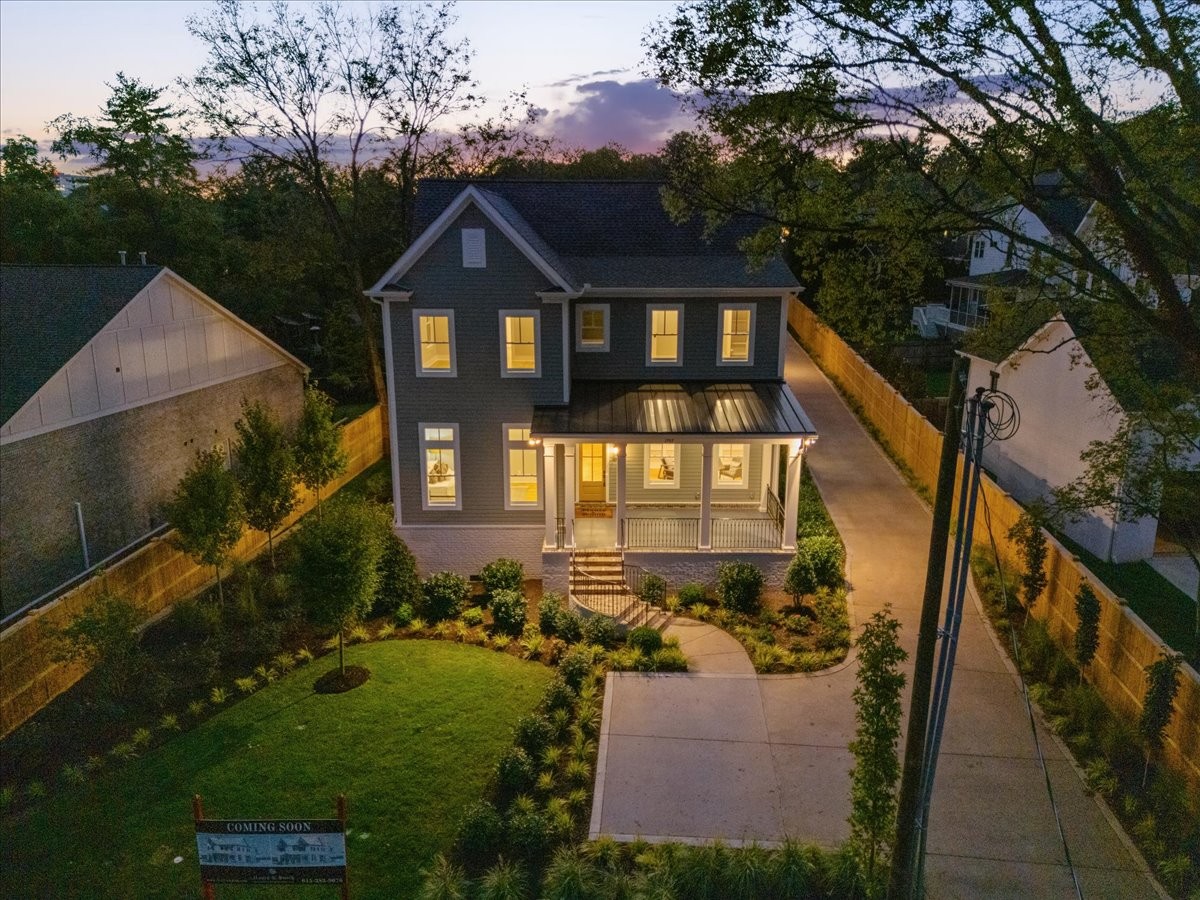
[504, 881]
[534, 734]
[653, 590]
[739, 587]
[558, 695]
[398, 581]
[508, 612]
[645, 639]
[194, 619]
[575, 666]
[599, 630]
[692, 593]
[472, 616]
[820, 561]
[502, 575]
[443, 596]
[528, 837]
[480, 835]
[549, 609]
[568, 626]
[668, 659]
[516, 772]
[833, 619]
[404, 615]
[105, 637]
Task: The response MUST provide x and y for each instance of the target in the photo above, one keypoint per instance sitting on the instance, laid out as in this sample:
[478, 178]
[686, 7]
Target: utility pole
[907, 837]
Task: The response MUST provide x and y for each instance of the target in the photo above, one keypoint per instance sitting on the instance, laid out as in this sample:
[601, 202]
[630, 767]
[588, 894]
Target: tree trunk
[271, 550]
[342, 653]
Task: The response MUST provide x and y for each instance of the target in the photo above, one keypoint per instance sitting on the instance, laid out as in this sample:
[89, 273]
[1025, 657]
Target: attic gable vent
[474, 248]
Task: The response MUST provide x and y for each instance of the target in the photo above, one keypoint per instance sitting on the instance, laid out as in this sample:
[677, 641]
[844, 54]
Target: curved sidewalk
[705, 755]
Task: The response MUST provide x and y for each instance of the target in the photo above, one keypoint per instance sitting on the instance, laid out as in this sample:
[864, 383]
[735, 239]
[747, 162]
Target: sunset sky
[583, 62]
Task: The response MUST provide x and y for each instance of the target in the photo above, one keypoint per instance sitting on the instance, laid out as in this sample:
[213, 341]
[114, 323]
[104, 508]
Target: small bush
[832, 618]
[534, 734]
[502, 575]
[516, 772]
[549, 609]
[653, 590]
[443, 881]
[472, 616]
[35, 790]
[739, 587]
[398, 581]
[669, 659]
[600, 631]
[575, 666]
[195, 619]
[7, 796]
[404, 615]
[645, 639]
[558, 695]
[480, 835]
[692, 593]
[568, 626]
[443, 596]
[504, 881]
[508, 612]
[73, 775]
[528, 835]
[768, 658]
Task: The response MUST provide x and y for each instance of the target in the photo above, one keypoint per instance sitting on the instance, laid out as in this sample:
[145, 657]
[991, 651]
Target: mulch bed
[338, 682]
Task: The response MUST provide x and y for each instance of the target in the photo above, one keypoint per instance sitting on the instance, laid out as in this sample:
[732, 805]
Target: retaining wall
[1127, 644]
[154, 578]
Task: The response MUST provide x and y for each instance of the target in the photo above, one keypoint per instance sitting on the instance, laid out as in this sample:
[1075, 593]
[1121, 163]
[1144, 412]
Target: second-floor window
[592, 327]
[737, 334]
[433, 331]
[664, 335]
[520, 331]
[979, 242]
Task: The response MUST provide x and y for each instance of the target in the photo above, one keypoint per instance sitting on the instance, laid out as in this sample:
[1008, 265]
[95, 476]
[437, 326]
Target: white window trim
[745, 468]
[749, 360]
[505, 371]
[580, 346]
[658, 485]
[650, 309]
[537, 467]
[458, 461]
[452, 372]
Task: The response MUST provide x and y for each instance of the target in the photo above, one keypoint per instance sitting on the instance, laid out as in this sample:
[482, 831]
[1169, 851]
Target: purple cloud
[575, 79]
[639, 115]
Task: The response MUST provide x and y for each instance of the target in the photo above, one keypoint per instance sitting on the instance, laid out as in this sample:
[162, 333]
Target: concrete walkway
[722, 753]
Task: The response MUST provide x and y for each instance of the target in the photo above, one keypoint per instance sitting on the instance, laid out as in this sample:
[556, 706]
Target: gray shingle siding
[478, 399]
[626, 357]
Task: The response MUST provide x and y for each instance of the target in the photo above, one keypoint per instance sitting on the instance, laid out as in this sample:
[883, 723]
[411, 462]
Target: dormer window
[474, 248]
[592, 327]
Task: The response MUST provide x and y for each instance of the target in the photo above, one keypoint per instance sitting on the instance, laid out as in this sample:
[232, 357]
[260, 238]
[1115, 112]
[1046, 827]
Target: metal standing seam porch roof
[718, 409]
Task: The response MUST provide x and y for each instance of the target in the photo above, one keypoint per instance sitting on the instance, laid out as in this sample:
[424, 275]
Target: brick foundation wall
[466, 549]
[122, 468]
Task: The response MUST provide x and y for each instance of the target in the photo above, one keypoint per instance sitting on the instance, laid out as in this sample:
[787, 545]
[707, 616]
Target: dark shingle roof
[1006, 278]
[746, 409]
[613, 233]
[48, 313]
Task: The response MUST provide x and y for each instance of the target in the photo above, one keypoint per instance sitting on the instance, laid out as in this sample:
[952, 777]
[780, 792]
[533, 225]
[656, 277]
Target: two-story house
[569, 369]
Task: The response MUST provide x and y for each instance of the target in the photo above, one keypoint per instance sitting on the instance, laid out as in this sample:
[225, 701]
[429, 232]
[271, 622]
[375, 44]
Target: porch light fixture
[535, 442]
[809, 441]
[614, 450]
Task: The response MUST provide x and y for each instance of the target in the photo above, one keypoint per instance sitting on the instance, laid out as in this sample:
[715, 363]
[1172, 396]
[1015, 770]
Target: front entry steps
[597, 583]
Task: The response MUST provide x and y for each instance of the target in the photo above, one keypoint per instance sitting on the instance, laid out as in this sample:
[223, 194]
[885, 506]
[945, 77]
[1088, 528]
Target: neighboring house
[112, 378]
[568, 369]
[1049, 377]
[997, 262]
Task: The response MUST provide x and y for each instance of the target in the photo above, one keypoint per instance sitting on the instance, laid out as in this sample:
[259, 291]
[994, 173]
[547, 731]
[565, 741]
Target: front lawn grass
[411, 749]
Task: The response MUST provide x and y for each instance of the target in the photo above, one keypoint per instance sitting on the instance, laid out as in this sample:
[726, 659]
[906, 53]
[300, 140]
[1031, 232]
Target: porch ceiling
[758, 409]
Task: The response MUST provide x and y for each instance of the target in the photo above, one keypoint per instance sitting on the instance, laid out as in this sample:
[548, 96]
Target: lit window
[592, 328]
[439, 456]
[522, 356]
[664, 338]
[661, 467]
[520, 468]
[433, 337]
[730, 469]
[737, 334]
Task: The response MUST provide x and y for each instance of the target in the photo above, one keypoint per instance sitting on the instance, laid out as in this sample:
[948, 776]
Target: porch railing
[666, 533]
[745, 534]
[775, 510]
[617, 599]
[560, 532]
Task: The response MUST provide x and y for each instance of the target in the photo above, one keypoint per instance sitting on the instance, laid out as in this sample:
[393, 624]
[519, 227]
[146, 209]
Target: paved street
[722, 753]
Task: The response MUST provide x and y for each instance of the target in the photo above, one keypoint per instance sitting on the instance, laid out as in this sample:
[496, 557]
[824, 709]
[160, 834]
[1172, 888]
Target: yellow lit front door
[592, 469]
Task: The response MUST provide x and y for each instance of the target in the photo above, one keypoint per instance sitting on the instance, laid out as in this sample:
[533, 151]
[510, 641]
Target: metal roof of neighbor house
[734, 409]
[47, 315]
[613, 233]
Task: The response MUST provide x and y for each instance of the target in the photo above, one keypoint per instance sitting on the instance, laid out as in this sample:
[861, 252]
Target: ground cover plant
[411, 748]
[1152, 803]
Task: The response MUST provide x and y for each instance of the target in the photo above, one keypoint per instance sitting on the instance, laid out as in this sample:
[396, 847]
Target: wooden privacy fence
[153, 578]
[1127, 644]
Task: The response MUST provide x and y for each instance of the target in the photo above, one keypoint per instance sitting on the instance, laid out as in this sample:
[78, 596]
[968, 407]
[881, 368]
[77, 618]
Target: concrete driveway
[722, 753]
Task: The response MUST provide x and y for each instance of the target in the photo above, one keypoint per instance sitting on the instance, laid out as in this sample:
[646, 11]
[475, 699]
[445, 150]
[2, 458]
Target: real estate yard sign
[271, 851]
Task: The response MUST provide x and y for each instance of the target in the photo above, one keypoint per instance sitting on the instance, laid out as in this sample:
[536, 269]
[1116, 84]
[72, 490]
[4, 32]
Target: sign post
[271, 851]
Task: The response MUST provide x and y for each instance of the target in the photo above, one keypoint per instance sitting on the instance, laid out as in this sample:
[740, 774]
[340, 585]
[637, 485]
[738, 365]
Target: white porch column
[550, 500]
[569, 495]
[706, 482]
[621, 456]
[791, 509]
[774, 474]
[764, 476]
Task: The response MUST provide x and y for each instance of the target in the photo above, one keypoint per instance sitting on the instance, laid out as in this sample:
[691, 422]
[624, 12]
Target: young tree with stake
[206, 511]
[318, 449]
[266, 470]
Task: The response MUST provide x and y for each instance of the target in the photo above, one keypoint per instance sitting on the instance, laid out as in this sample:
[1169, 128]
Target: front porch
[682, 467]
